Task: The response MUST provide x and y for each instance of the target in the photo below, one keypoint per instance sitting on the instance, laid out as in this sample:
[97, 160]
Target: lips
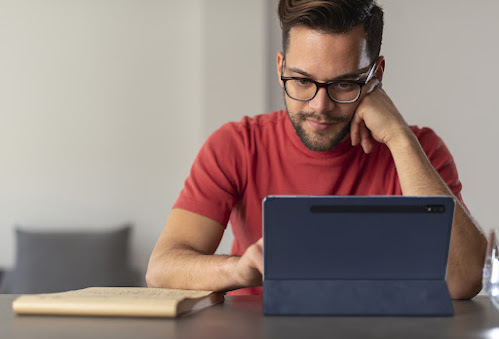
[318, 125]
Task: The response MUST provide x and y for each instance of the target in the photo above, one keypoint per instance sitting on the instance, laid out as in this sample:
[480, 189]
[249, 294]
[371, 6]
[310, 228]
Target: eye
[303, 82]
[345, 86]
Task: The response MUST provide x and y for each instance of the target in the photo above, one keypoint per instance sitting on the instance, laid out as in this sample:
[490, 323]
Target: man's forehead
[328, 54]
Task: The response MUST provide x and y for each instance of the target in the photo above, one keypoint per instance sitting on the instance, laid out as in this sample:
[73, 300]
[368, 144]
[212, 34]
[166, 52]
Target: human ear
[279, 61]
[380, 68]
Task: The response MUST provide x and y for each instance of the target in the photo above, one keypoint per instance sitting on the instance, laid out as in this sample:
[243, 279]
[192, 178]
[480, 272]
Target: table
[241, 317]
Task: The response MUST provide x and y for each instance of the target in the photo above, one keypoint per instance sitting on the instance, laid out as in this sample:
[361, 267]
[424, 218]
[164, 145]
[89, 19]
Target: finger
[366, 140]
[354, 132]
[258, 261]
[355, 129]
[259, 265]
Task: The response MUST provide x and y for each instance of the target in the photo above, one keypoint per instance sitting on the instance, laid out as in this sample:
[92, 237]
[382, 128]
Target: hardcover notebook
[356, 255]
[117, 302]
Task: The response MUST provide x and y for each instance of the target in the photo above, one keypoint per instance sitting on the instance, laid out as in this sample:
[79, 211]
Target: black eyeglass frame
[326, 85]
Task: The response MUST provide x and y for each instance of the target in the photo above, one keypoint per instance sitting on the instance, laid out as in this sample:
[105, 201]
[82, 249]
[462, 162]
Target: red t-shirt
[243, 162]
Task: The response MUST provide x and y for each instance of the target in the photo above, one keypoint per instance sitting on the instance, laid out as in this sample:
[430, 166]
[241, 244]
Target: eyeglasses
[340, 91]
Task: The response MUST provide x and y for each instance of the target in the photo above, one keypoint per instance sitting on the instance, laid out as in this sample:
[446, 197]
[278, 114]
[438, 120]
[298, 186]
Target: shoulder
[434, 147]
[237, 140]
[428, 139]
[423, 132]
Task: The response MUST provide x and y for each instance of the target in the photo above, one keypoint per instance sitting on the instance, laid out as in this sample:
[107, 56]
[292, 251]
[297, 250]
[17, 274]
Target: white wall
[105, 103]
[234, 61]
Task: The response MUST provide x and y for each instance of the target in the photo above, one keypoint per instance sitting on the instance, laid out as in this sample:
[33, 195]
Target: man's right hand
[249, 268]
[183, 257]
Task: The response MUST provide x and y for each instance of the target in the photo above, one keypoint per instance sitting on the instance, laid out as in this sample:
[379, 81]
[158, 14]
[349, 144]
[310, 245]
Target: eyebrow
[341, 77]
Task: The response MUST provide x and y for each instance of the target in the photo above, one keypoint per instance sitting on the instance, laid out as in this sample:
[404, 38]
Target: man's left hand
[376, 116]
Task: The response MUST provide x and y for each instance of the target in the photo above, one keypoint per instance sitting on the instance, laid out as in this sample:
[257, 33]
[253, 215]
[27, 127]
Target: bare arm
[183, 257]
[378, 117]
[467, 247]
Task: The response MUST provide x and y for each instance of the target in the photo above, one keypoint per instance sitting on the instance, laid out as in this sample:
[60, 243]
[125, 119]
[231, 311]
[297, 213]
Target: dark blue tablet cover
[356, 255]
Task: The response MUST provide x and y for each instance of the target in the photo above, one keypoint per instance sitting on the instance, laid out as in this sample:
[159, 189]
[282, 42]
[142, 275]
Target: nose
[322, 103]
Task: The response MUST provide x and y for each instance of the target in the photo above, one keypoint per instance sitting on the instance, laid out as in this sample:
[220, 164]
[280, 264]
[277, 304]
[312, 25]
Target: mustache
[323, 118]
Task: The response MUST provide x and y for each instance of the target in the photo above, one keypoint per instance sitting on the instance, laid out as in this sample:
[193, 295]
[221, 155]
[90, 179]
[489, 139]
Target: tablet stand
[357, 297]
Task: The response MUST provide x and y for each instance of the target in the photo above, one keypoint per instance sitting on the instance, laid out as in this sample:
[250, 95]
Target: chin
[321, 141]
[323, 145]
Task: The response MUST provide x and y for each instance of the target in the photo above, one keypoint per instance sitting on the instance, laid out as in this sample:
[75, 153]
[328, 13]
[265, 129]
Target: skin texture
[183, 256]
[324, 57]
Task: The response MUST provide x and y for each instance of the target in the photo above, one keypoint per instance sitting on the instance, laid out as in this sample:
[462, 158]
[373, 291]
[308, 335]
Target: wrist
[402, 139]
[233, 278]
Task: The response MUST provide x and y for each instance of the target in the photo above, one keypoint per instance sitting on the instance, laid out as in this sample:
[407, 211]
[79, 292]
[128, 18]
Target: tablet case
[331, 255]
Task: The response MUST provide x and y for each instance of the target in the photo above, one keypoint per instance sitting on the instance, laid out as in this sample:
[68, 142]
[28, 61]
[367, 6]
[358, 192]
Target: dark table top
[241, 317]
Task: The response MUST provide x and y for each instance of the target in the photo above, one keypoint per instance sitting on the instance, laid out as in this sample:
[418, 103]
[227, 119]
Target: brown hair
[333, 16]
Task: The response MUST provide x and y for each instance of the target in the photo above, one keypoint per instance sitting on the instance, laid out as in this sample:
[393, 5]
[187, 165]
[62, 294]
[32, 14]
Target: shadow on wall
[50, 261]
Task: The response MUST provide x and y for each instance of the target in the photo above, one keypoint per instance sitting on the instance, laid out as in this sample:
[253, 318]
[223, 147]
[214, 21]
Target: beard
[317, 140]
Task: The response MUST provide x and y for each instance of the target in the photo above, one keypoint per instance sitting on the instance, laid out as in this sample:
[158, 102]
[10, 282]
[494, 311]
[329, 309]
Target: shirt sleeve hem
[206, 210]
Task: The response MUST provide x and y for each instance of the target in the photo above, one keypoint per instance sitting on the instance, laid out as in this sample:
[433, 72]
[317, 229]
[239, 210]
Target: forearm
[467, 248]
[416, 173]
[466, 256]
[187, 269]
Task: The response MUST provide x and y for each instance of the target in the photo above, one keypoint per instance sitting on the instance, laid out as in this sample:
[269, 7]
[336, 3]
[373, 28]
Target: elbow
[166, 269]
[156, 275]
[465, 288]
[151, 279]
[465, 293]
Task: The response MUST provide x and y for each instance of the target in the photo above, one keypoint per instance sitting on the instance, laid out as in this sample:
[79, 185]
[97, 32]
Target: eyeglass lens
[302, 89]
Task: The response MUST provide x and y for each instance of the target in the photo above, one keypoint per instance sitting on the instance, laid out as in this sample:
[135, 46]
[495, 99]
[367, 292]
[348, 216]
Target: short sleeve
[441, 159]
[217, 177]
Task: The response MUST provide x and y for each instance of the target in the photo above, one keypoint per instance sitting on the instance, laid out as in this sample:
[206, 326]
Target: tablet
[355, 240]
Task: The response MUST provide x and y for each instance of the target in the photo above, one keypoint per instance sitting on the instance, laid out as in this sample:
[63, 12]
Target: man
[340, 135]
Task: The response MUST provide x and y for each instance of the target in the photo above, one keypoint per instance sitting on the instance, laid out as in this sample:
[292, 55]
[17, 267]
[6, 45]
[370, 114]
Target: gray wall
[105, 103]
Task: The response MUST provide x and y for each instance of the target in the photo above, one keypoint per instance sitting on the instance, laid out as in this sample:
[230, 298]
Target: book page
[135, 292]
[115, 301]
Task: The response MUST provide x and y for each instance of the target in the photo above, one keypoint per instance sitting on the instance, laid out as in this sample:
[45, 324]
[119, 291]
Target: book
[117, 301]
